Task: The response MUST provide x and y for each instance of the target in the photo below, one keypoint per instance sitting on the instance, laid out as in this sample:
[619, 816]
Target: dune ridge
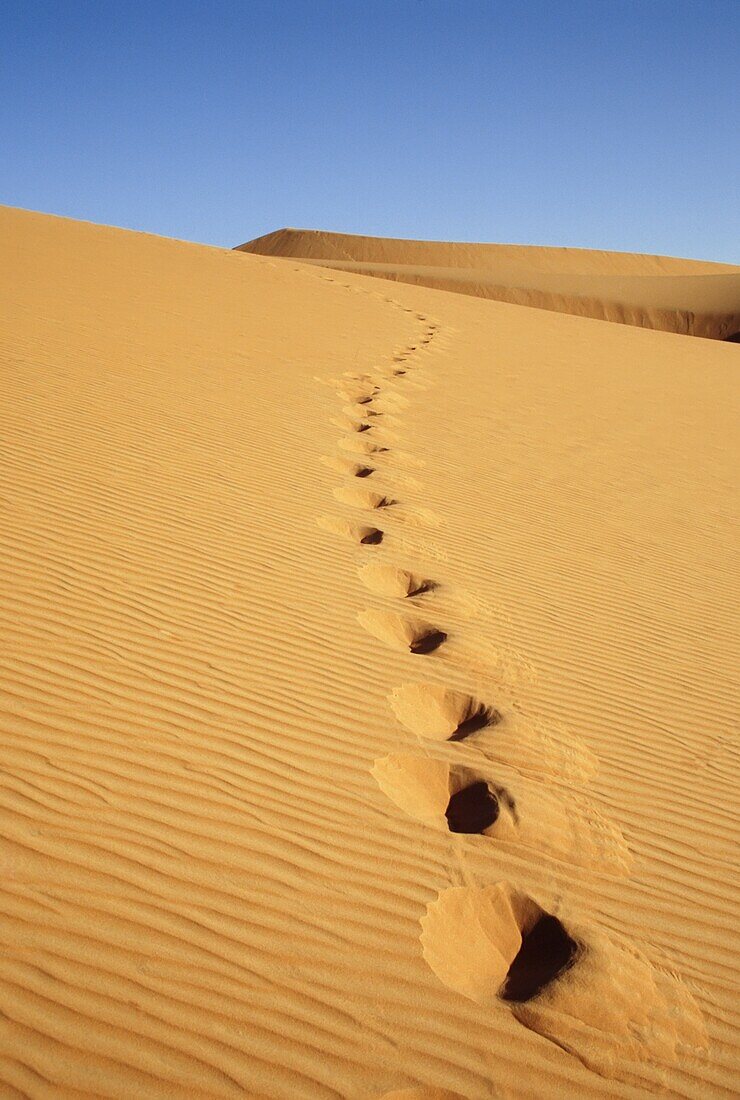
[228, 866]
[690, 297]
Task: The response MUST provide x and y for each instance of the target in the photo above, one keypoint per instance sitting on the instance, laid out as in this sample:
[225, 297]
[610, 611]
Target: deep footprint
[387, 580]
[546, 952]
[357, 444]
[430, 710]
[347, 466]
[356, 532]
[359, 497]
[454, 797]
[519, 949]
[409, 635]
[472, 809]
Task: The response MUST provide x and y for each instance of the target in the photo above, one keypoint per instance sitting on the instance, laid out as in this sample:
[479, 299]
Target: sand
[687, 296]
[257, 663]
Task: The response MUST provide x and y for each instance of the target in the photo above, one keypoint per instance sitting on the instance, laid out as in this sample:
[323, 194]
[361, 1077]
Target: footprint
[441, 714]
[359, 396]
[593, 993]
[361, 498]
[474, 808]
[616, 1011]
[397, 371]
[359, 412]
[410, 635]
[446, 796]
[387, 580]
[356, 532]
[358, 445]
[347, 466]
[345, 423]
[495, 943]
[430, 710]
[499, 803]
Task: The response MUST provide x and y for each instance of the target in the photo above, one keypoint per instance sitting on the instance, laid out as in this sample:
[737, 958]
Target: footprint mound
[498, 802]
[430, 710]
[356, 532]
[358, 444]
[590, 992]
[347, 466]
[360, 395]
[359, 412]
[361, 498]
[546, 951]
[416, 784]
[412, 635]
[495, 942]
[387, 580]
[445, 796]
[344, 423]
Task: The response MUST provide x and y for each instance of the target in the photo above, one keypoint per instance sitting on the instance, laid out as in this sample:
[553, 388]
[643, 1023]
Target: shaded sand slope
[238, 631]
[687, 296]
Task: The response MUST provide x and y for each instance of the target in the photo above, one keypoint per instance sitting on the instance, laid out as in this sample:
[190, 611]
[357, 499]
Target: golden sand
[688, 296]
[257, 663]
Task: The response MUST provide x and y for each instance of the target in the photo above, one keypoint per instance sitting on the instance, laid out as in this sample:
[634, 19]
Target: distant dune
[368, 681]
[685, 296]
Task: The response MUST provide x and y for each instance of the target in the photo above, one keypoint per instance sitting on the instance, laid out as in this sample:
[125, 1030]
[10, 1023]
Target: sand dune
[685, 296]
[368, 683]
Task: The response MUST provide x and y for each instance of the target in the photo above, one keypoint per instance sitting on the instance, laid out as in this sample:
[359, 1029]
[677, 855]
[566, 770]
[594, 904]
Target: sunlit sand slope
[367, 686]
[686, 296]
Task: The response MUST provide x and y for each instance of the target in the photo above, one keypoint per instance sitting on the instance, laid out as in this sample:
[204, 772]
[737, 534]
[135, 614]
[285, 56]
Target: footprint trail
[516, 785]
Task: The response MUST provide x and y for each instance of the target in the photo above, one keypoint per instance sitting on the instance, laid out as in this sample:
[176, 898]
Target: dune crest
[691, 297]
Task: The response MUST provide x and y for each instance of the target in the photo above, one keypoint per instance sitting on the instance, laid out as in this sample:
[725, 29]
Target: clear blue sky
[597, 123]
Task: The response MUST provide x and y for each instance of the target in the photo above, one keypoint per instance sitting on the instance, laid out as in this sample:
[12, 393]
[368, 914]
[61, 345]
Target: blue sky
[600, 124]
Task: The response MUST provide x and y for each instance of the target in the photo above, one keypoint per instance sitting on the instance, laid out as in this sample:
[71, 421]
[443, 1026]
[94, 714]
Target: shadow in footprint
[431, 710]
[427, 643]
[389, 580]
[518, 947]
[373, 537]
[358, 497]
[546, 952]
[361, 446]
[410, 635]
[472, 809]
[356, 532]
[483, 716]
